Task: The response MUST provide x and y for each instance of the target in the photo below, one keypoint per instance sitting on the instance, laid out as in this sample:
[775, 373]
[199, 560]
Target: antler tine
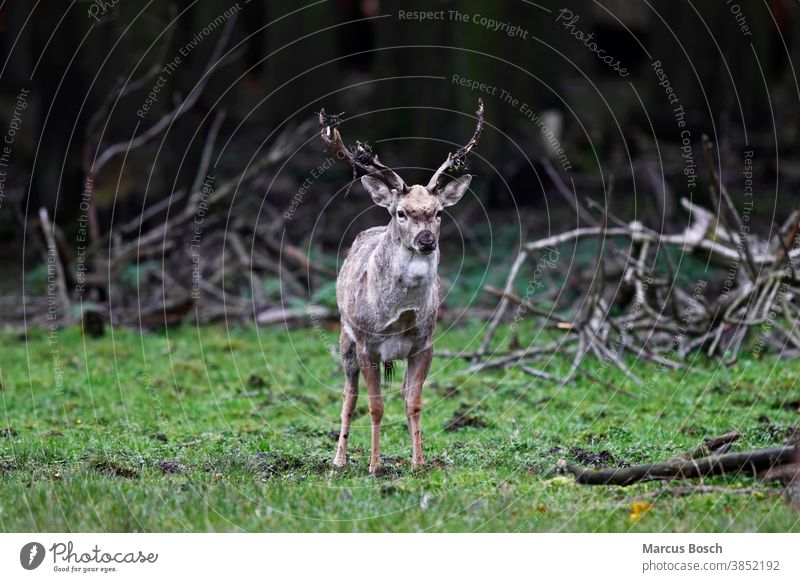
[458, 159]
[361, 157]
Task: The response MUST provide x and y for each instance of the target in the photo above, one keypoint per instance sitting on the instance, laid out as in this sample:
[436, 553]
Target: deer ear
[381, 195]
[454, 190]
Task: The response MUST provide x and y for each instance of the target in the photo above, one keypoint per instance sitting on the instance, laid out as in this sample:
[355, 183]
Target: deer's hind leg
[347, 349]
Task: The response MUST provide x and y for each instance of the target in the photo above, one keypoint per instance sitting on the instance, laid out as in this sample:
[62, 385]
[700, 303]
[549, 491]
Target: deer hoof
[339, 462]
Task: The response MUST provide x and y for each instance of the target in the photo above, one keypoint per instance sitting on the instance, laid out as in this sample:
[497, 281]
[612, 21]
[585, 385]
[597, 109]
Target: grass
[227, 430]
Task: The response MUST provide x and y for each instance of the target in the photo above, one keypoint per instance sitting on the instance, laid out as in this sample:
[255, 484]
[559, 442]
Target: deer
[388, 288]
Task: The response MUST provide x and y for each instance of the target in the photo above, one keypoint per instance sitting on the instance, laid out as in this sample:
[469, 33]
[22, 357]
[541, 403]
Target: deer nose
[426, 242]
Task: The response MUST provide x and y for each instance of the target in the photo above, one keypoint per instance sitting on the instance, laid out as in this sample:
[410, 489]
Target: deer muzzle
[425, 241]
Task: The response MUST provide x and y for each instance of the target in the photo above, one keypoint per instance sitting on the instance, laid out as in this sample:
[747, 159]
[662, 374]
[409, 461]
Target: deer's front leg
[419, 364]
[347, 348]
[370, 367]
[348, 405]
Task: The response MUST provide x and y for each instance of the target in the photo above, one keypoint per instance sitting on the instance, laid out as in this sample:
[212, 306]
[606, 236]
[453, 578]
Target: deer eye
[401, 214]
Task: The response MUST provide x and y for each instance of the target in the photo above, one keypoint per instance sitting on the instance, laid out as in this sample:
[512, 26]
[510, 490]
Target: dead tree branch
[749, 462]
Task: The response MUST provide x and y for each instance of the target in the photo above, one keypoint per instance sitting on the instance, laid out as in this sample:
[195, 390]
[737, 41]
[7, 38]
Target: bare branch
[752, 462]
[113, 150]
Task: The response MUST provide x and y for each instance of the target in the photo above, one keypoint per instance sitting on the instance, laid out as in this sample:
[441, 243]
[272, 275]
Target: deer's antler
[361, 157]
[458, 160]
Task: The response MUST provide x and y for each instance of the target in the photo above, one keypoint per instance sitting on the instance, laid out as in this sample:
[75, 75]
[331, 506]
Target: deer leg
[350, 364]
[419, 364]
[404, 394]
[348, 405]
[372, 375]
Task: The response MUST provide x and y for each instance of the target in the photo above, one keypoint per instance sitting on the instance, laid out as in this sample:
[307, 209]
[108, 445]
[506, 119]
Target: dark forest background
[392, 78]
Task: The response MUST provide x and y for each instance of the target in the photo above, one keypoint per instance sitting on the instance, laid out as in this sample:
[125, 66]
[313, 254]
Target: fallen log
[751, 462]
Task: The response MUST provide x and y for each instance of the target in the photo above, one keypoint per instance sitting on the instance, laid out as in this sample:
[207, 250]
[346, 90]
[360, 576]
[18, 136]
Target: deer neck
[407, 276]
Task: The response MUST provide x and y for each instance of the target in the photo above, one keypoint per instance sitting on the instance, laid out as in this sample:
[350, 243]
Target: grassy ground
[214, 429]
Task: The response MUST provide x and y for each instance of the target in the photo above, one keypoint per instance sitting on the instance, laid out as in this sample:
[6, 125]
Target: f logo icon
[31, 555]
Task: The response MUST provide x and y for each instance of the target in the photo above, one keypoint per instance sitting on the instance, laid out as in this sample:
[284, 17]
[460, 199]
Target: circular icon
[31, 555]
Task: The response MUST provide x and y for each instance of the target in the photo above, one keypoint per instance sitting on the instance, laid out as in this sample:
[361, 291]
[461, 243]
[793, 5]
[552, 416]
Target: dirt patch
[584, 457]
[7, 432]
[385, 470]
[171, 467]
[302, 399]
[275, 464]
[436, 464]
[789, 405]
[6, 466]
[773, 431]
[160, 437]
[449, 391]
[113, 468]
[256, 381]
[462, 419]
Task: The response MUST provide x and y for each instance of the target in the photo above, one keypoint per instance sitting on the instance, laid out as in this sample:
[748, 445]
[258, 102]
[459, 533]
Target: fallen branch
[751, 462]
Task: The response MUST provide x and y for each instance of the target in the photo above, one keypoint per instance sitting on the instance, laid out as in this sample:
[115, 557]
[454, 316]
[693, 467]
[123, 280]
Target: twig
[526, 305]
[501, 308]
[715, 445]
[562, 189]
[205, 159]
[540, 374]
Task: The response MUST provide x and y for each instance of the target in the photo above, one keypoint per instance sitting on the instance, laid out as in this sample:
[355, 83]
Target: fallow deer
[388, 287]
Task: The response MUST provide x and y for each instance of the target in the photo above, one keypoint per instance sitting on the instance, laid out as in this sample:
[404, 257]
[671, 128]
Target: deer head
[416, 211]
